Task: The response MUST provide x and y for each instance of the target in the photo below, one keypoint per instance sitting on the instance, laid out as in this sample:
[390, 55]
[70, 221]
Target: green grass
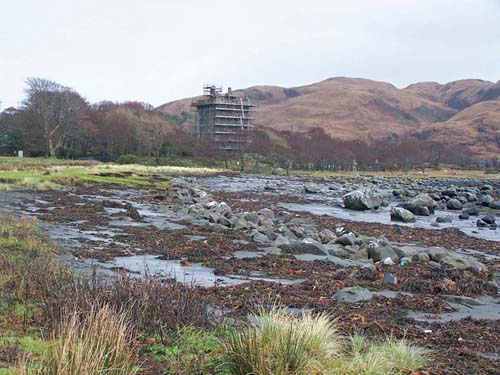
[28, 173]
[190, 350]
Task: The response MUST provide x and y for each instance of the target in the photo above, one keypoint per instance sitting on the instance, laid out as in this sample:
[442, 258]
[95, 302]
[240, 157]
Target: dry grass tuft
[282, 345]
[96, 344]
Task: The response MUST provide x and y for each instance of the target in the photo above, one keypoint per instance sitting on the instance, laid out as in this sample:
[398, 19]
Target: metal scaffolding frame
[225, 118]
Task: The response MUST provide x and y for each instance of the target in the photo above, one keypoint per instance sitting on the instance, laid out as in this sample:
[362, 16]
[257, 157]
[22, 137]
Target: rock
[450, 192]
[494, 279]
[360, 254]
[454, 204]
[404, 251]
[486, 199]
[346, 239]
[338, 252]
[289, 235]
[486, 187]
[267, 213]
[327, 235]
[462, 263]
[470, 197]
[471, 211]
[264, 222]
[444, 219]
[308, 246]
[481, 224]
[398, 192]
[281, 241]
[223, 208]
[252, 217]
[420, 258]
[494, 205]
[435, 196]
[379, 253]
[298, 232]
[437, 253]
[488, 219]
[223, 221]
[390, 279]
[463, 216]
[388, 262]
[422, 205]
[260, 237]
[401, 214]
[353, 294]
[362, 200]
[271, 250]
[311, 188]
[132, 213]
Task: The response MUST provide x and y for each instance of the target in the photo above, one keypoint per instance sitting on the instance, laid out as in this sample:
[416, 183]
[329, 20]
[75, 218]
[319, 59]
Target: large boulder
[308, 246]
[363, 200]
[462, 263]
[401, 214]
[311, 188]
[422, 205]
[471, 211]
[486, 199]
[379, 253]
[494, 205]
[347, 239]
[454, 204]
[437, 253]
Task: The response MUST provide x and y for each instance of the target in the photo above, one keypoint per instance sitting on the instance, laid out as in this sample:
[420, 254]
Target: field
[170, 270]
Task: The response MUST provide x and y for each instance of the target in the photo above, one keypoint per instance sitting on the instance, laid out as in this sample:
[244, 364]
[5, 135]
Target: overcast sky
[161, 50]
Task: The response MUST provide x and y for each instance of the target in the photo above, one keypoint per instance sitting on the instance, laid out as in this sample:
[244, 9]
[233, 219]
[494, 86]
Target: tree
[56, 110]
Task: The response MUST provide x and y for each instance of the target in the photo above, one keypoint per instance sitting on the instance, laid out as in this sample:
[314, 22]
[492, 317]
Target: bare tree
[57, 110]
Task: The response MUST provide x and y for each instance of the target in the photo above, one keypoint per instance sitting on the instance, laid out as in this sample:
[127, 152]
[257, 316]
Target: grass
[414, 173]
[41, 174]
[189, 350]
[97, 344]
[283, 345]
[390, 357]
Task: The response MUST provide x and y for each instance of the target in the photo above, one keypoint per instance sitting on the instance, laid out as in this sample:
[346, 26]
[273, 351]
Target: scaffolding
[225, 118]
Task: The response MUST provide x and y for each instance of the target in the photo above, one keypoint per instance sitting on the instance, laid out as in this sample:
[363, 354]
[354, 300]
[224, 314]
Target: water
[487, 308]
[194, 274]
[382, 216]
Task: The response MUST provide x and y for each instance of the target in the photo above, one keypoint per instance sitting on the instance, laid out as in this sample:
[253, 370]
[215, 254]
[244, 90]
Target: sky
[157, 51]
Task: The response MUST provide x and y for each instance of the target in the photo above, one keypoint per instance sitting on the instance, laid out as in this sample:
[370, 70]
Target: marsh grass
[50, 174]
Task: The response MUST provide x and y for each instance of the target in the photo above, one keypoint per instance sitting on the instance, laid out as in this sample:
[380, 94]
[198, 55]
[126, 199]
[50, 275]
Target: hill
[461, 112]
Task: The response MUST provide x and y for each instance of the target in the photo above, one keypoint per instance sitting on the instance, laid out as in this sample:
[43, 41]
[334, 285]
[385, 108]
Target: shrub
[127, 159]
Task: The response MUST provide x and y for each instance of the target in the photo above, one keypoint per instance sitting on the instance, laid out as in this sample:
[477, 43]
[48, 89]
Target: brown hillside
[463, 112]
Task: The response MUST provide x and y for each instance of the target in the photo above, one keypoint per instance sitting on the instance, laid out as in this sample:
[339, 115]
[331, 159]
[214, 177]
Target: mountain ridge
[359, 108]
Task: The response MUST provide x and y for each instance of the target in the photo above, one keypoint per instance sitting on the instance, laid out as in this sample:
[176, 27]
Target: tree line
[56, 121]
